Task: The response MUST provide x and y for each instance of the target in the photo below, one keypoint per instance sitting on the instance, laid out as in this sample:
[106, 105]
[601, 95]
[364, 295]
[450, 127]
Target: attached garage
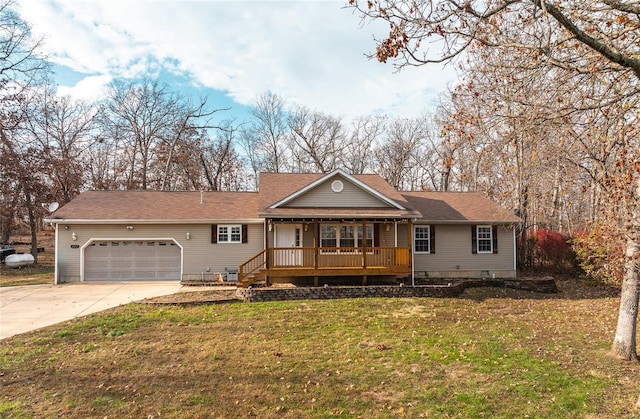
[127, 260]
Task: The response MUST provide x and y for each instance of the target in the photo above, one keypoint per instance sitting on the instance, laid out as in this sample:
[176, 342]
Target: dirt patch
[195, 297]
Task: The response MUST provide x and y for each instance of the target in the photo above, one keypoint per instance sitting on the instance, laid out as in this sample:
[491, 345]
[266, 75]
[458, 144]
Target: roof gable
[334, 190]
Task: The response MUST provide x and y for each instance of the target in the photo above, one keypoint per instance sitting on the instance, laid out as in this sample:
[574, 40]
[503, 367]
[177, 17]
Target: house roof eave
[338, 215]
[54, 220]
[467, 222]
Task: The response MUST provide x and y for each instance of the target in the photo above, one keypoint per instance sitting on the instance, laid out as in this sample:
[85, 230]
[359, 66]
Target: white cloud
[88, 89]
[310, 53]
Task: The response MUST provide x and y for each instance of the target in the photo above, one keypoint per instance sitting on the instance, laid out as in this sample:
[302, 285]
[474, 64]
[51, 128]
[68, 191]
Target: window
[368, 237]
[328, 236]
[297, 238]
[346, 235]
[347, 238]
[229, 234]
[422, 239]
[484, 236]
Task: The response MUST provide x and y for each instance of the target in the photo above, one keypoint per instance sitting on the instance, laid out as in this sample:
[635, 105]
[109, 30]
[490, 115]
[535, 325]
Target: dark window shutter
[494, 235]
[474, 240]
[376, 235]
[432, 239]
[245, 233]
[214, 233]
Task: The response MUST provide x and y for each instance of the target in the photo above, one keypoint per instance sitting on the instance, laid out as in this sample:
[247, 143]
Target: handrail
[253, 265]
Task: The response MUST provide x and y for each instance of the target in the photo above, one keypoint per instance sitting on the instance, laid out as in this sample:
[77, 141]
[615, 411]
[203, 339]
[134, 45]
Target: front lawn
[490, 353]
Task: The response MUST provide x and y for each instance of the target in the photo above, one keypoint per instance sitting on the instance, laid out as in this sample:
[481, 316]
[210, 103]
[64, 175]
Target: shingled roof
[461, 207]
[159, 206]
[194, 207]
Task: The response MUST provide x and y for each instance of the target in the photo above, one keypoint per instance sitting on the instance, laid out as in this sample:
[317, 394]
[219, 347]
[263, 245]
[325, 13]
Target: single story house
[318, 228]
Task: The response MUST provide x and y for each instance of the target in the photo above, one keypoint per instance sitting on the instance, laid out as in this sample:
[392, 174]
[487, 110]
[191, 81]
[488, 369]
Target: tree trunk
[5, 228]
[624, 343]
[33, 225]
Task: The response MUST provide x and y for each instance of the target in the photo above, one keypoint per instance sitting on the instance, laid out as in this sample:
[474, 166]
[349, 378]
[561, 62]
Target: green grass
[492, 353]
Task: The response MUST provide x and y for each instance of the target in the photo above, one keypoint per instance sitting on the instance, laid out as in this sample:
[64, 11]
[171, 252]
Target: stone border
[450, 289]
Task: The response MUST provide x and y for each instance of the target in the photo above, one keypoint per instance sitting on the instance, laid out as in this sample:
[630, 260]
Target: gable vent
[337, 186]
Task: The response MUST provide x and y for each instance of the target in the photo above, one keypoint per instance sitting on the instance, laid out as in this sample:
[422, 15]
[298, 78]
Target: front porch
[316, 249]
[277, 262]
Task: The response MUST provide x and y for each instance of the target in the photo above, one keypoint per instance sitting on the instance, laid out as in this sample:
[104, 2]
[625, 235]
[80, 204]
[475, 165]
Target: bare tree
[21, 68]
[142, 116]
[63, 130]
[222, 168]
[317, 141]
[399, 152]
[149, 121]
[365, 134]
[264, 139]
[193, 118]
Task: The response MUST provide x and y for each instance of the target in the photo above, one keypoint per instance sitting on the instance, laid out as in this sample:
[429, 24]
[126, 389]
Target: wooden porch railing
[253, 266]
[334, 257]
[315, 260]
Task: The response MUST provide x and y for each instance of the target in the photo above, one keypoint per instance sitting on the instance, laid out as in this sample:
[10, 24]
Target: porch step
[253, 279]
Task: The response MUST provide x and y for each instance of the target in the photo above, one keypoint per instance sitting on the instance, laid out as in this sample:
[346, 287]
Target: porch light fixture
[306, 226]
[270, 226]
[387, 227]
[66, 227]
[188, 236]
[129, 228]
[73, 236]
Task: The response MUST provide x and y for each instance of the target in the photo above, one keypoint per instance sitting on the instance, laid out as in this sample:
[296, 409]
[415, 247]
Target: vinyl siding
[453, 255]
[403, 235]
[323, 196]
[307, 236]
[199, 254]
[388, 239]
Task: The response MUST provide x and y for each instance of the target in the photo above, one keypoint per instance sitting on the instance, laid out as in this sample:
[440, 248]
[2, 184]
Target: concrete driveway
[31, 307]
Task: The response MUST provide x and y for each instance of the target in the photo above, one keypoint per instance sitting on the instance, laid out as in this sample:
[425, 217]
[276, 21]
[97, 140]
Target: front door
[289, 245]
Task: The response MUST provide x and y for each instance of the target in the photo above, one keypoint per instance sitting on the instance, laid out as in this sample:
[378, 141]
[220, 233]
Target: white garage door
[132, 261]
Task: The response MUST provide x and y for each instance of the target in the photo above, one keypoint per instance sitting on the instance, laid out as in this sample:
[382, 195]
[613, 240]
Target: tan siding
[388, 238]
[307, 236]
[403, 236]
[199, 254]
[323, 196]
[453, 254]
[68, 259]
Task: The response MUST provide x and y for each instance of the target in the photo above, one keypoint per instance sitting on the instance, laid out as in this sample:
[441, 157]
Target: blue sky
[311, 53]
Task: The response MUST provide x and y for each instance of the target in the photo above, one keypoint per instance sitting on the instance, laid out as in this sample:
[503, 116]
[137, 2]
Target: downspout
[410, 244]
[515, 257]
[57, 255]
[413, 266]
